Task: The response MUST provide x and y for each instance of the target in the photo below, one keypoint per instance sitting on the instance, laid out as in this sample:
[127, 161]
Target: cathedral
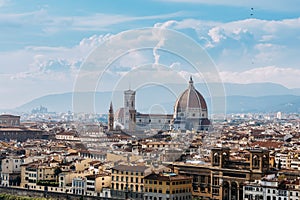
[190, 113]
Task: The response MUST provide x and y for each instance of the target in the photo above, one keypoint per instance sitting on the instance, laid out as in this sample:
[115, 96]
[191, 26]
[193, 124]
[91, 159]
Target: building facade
[9, 120]
[128, 181]
[223, 178]
[190, 113]
[167, 186]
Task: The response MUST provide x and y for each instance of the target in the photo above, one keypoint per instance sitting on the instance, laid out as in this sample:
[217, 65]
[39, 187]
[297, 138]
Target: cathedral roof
[190, 98]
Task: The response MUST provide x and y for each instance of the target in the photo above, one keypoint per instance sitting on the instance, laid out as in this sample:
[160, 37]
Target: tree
[279, 164]
[57, 171]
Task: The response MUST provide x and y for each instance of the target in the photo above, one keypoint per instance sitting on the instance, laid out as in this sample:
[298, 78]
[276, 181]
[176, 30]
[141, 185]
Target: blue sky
[44, 43]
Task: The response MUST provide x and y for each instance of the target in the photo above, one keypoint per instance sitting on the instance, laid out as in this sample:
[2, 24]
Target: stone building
[223, 178]
[190, 113]
[165, 186]
[9, 120]
[128, 181]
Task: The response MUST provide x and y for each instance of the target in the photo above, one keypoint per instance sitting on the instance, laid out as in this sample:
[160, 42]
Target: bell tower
[220, 156]
[259, 160]
[111, 118]
[129, 110]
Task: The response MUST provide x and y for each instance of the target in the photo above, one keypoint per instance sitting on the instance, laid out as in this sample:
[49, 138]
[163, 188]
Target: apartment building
[167, 186]
[128, 181]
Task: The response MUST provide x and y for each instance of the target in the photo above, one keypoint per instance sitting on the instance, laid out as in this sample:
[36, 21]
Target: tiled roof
[130, 168]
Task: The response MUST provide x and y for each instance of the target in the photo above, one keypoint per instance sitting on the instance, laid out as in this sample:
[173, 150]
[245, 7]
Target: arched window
[255, 161]
[216, 159]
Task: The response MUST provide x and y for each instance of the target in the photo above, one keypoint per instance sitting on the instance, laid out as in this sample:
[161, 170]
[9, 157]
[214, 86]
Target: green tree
[57, 171]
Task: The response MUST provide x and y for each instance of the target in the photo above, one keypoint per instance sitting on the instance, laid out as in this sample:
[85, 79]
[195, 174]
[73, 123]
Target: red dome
[190, 98]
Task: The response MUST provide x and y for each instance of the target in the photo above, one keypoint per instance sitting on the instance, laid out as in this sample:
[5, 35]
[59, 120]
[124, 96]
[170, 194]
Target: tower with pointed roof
[111, 118]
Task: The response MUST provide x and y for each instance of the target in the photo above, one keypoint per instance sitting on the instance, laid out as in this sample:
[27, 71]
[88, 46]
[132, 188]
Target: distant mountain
[252, 89]
[258, 89]
[260, 97]
[272, 103]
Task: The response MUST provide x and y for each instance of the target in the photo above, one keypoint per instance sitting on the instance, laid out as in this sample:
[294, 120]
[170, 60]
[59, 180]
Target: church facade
[190, 113]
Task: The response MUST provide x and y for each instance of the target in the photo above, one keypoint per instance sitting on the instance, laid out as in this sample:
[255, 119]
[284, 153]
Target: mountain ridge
[266, 97]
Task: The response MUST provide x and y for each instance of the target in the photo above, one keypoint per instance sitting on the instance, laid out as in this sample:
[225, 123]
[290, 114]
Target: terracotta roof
[166, 177]
[190, 98]
[267, 144]
[130, 168]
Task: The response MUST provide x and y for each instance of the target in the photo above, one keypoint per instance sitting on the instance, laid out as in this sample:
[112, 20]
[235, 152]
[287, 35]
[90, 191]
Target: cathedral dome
[190, 99]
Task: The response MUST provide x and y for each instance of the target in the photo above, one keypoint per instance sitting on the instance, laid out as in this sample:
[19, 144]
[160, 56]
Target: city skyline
[44, 44]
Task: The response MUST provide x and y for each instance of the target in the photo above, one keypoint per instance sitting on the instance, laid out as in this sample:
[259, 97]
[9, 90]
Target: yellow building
[128, 181]
[96, 182]
[29, 175]
[167, 186]
[37, 173]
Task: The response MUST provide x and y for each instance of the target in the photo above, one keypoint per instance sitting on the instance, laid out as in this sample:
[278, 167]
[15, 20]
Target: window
[160, 183]
[215, 181]
[215, 191]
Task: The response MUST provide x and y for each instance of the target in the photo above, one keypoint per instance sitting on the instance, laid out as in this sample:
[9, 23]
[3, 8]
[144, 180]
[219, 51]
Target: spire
[111, 118]
[111, 110]
[191, 82]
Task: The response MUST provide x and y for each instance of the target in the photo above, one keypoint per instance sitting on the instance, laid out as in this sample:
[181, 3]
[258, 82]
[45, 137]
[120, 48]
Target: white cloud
[288, 77]
[239, 48]
[216, 34]
[254, 42]
[42, 62]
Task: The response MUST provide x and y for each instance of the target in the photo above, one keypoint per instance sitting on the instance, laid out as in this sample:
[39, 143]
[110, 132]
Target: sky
[44, 44]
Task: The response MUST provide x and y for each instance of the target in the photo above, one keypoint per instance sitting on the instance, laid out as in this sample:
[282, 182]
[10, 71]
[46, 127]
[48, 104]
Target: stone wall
[48, 195]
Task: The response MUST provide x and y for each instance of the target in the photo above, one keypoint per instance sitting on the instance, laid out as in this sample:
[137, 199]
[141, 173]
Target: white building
[270, 190]
[11, 170]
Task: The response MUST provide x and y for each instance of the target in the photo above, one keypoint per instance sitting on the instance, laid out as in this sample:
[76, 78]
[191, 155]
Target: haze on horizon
[43, 44]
